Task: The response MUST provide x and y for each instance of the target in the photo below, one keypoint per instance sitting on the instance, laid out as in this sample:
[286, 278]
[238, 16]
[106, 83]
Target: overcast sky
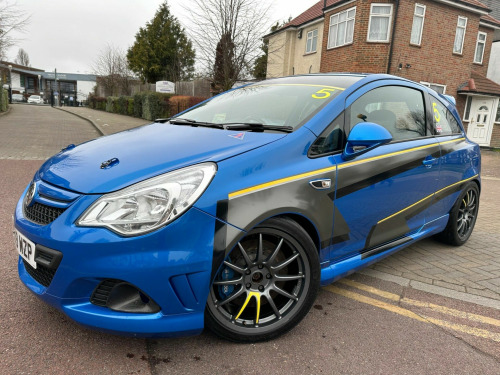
[68, 34]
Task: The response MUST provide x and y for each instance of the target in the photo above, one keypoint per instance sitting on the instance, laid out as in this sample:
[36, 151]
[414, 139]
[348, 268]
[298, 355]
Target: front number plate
[25, 248]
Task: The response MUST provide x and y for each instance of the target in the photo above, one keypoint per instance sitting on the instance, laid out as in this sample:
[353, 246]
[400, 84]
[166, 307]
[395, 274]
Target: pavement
[387, 319]
[19, 128]
[106, 123]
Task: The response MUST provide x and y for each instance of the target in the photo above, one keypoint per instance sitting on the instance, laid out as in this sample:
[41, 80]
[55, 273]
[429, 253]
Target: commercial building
[31, 81]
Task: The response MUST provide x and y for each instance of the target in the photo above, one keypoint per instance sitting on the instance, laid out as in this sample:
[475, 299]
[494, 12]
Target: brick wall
[434, 61]
[360, 56]
[495, 136]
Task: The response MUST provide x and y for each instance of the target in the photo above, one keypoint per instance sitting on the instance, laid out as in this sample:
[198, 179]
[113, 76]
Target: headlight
[148, 205]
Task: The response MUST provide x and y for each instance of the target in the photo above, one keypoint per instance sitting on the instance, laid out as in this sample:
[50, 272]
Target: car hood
[142, 153]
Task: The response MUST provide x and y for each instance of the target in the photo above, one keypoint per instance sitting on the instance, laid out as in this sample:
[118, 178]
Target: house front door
[481, 120]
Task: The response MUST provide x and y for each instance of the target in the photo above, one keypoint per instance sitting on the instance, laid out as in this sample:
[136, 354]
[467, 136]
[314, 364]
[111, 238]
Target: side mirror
[364, 137]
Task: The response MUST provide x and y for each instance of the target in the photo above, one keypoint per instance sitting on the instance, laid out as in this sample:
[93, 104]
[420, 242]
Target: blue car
[232, 214]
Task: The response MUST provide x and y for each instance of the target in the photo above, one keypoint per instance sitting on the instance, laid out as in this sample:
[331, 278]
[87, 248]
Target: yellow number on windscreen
[323, 93]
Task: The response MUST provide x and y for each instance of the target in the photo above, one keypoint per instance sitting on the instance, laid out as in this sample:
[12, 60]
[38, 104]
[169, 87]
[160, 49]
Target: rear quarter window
[443, 120]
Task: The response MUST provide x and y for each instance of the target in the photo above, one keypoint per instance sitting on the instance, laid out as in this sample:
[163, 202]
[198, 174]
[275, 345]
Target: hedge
[4, 100]
[146, 105]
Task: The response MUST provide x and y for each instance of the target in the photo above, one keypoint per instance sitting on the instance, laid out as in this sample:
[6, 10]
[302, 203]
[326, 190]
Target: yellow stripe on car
[427, 197]
[296, 177]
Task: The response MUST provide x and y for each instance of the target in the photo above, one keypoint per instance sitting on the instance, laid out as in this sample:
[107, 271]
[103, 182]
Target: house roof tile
[480, 85]
[316, 11]
[490, 20]
[474, 3]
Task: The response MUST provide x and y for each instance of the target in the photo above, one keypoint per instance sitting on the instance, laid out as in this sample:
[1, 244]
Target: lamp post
[39, 84]
[10, 84]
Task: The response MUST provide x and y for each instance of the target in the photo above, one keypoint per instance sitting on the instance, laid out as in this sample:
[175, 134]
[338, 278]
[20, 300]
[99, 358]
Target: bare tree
[22, 58]
[11, 19]
[112, 68]
[227, 34]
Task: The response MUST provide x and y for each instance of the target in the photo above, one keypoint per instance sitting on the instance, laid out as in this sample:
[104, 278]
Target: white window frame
[463, 37]
[380, 15]
[428, 84]
[310, 36]
[329, 45]
[467, 101]
[496, 112]
[483, 42]
[417, 5]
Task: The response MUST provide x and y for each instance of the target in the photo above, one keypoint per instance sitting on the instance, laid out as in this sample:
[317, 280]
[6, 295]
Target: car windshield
[267, 103]
[34, 97]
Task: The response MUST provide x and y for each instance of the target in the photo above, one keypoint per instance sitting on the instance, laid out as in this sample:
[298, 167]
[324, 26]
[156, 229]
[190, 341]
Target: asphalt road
[359, 325]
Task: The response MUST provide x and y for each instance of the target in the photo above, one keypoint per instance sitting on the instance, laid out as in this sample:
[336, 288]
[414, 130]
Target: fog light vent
[121, 296]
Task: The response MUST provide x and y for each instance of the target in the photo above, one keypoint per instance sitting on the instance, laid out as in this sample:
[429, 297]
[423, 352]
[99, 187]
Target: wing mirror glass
[364, 137]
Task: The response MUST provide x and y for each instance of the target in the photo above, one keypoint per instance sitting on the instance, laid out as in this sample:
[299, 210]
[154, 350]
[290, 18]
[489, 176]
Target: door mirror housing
[364, 137]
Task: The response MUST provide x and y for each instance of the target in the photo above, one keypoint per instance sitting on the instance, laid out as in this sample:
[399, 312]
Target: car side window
[444, 122]
[330, 140]
[400, 110]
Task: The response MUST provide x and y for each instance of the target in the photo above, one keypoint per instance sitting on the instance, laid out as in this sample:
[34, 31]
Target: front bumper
[171, 265]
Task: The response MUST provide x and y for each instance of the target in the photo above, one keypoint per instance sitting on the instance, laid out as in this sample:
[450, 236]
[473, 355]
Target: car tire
[266, 285]
[463, 217]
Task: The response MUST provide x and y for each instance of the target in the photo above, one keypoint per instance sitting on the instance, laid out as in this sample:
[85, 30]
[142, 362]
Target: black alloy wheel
[462, 216]
[266, 285]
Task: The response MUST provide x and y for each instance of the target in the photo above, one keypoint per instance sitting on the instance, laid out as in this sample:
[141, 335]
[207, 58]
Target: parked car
[19, 98]
[37, 99]
[233, 213]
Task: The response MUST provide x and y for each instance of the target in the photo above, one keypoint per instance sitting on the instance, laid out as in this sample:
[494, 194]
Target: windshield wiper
[189, 122]
[257, 127]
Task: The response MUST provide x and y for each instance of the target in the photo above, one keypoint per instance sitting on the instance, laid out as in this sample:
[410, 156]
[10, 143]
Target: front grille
[41, 274]
[101, 293]
[42, 214]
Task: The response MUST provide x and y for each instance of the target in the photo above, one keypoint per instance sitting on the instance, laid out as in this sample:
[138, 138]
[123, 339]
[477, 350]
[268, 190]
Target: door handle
[429, 161]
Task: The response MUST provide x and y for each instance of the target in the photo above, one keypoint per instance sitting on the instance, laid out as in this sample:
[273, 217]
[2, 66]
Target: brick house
[444, 44]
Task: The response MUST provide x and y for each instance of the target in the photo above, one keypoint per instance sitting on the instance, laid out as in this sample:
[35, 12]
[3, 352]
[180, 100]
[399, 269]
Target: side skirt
[345, 267]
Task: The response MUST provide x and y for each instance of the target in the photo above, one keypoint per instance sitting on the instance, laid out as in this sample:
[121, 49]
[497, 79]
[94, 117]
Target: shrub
[138, 101]
[122, 105]
[178, 104]
[193, 100]
[4, 100]
[130, 106]
[97, 102]
[155, 106]
[111, 104]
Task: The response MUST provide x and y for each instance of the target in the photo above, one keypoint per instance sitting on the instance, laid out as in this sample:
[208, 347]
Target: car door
[459, 159]
[384, 194]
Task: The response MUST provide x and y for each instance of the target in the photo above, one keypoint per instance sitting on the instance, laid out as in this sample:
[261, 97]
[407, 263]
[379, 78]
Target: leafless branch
[245, 21]
[11, 19]
[112, 68]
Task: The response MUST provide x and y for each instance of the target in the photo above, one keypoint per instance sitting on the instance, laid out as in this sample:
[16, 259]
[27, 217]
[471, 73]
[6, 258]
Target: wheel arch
[226, 238]
[307, 225]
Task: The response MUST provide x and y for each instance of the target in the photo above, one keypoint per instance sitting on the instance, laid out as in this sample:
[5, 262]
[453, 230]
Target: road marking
[465, 329]
[374, 302]
[478, 332]
[428, 305]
